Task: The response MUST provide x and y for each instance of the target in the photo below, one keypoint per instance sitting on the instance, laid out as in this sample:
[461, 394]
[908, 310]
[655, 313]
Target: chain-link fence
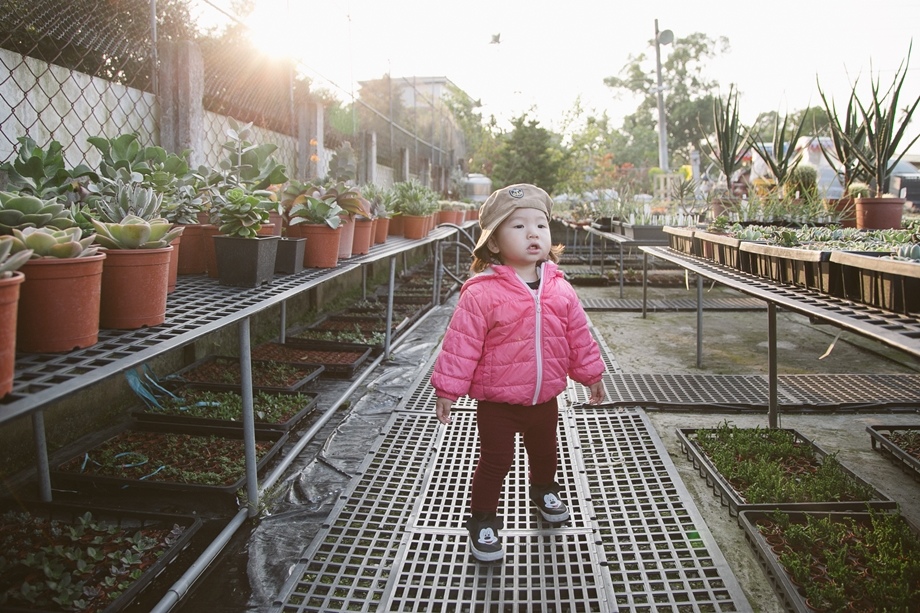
[72, 69]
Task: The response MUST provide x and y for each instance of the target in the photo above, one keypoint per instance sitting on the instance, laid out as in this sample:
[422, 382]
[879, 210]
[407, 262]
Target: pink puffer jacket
[505, 344]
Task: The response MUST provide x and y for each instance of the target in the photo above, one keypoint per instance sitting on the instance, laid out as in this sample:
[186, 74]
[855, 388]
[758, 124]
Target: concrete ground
[735, 342]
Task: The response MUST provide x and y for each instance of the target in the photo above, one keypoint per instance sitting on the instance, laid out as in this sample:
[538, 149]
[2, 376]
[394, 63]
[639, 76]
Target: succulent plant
[11, 262]
[133, 232]
[121, 198]
[24, 211]
[242, 214]
[54, 243]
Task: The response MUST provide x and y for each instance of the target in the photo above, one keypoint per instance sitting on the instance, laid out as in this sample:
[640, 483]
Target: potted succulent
[726, 146]
[383, 204]
[135, 277]
[847, 137]
[416, 203]
[778, 156]
[317, 220]
[885, 120]
[60, 299]
[10, 281]
[245, 258]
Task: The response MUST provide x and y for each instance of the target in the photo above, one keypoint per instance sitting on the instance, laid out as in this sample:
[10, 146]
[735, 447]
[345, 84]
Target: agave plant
[133, 232]
[53, 243]
[24, 211]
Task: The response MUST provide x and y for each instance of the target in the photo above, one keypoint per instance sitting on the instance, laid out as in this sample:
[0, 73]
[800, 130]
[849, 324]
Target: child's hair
[480, 264]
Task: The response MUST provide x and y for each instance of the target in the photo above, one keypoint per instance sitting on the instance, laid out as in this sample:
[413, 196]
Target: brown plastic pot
[134, 288]
[59, 304]
[9, 300]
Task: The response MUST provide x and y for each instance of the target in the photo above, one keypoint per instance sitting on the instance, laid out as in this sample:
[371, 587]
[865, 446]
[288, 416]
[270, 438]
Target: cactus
[132, 232]
[53, 243]
[25, 211]
[11, 262]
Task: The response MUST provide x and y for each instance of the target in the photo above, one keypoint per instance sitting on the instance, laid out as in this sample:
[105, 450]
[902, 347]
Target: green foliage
[528, 154]
[43, 173]
[122, 198]
[382, 200]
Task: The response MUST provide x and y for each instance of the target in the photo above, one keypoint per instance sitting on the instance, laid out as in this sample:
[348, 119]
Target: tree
[688, 101]
[528, 154]
[590, 162]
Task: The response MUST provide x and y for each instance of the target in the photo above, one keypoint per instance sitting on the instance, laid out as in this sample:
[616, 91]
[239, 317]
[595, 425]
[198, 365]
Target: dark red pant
[498, 423]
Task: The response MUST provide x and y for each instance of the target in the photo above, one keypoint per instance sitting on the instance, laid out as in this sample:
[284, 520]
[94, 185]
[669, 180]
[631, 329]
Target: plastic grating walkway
[395, 540]
[681, 304]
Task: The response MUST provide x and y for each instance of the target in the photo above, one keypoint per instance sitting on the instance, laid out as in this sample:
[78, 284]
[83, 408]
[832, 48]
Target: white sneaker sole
[486, 556]
[556, 518]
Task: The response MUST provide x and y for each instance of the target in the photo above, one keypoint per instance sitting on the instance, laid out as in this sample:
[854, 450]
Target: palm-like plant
[780, 158]
[847, 136]
[885, 124]
[728, 143]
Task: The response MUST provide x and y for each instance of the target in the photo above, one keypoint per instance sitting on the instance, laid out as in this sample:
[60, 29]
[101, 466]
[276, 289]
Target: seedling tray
[124, 521]
[68, 479]
[306, 373]
[336, 363]
[149, 414]
[782, 583]
[879, 435]
[731, 498]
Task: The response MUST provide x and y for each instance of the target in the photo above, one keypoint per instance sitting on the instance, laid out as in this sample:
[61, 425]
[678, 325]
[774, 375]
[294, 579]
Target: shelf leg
[41, 455]
[699, 321]
[283, 334]
[249, 426]
[644, 283]
[620, 253]
[391, 287]
[773, 413]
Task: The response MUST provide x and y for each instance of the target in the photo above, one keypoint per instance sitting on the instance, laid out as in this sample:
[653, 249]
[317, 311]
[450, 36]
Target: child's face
[523, 239]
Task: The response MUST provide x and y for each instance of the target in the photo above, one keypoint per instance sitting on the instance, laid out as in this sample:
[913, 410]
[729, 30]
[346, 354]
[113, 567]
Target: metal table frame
[148, 343]
[895, 330]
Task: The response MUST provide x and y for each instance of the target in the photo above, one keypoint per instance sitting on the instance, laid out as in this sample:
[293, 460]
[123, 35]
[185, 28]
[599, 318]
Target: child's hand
[597, 393]
[443, 410]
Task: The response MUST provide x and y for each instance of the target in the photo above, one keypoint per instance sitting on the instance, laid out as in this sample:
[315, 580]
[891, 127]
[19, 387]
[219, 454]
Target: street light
[664, 37]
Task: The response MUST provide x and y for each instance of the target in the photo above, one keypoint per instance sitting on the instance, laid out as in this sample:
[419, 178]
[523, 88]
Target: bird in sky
[496, 39]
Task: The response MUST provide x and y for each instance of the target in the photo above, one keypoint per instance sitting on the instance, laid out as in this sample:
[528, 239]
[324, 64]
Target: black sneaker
[485, 543]
[546, 497]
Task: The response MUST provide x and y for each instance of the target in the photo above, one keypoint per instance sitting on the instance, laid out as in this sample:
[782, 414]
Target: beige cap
[502, 203]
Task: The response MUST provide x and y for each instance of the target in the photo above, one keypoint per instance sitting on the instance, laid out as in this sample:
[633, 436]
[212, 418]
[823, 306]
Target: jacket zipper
[538, 336]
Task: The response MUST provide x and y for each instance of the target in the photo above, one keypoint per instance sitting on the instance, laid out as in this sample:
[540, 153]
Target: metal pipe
[41, 455]
[249, 420]
[699, 321]
[773, 413]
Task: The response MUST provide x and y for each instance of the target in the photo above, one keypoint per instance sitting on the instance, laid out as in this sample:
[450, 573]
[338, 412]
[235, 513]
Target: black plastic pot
[245, 262]
[289, 259]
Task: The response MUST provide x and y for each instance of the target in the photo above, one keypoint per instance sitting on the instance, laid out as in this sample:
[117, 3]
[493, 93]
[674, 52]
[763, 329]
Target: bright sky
[554, 52]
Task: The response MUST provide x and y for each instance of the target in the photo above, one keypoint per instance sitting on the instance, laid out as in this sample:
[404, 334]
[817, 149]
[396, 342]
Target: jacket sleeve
[461, 349]
[585, 363]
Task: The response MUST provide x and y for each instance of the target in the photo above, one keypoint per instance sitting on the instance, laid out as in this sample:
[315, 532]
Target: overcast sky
[554, 52]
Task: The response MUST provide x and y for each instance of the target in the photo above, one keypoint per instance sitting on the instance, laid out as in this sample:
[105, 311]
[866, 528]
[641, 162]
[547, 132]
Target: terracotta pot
[277, 222]
[59, 304]
[174, 264]
[134, 284]
[845, 206]
[361, 243]
[879, 213]
[347, 237]
[192, 257]
[322, 248]
[381, 231]
[415, 226]
[9, 300]
[723, 205]
[396, 226]
[209, 231]
[269, 229]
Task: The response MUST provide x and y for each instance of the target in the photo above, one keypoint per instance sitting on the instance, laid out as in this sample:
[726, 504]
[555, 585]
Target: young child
[518, 332]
